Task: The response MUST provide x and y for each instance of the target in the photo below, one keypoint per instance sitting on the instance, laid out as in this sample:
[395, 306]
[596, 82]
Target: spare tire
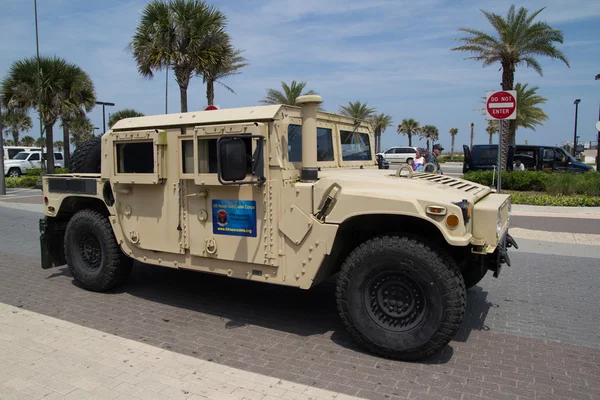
[87, 157]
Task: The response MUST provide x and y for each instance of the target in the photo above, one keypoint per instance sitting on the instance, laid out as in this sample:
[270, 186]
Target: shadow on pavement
[244, 303]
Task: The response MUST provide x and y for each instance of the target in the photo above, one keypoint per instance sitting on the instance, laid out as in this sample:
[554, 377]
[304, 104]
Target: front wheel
[93, 254]
[399, 298]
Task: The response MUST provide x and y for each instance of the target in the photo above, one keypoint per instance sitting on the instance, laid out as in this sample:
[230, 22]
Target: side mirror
[234, 160]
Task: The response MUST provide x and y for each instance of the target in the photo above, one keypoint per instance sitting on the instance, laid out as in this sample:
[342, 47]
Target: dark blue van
[535, 158]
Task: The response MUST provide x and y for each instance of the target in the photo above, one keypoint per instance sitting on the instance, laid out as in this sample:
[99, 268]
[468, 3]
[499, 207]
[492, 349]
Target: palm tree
[528, 113]
[357, 110]
[288, 95]
[179, 34]
[519, 41]
[27, 141]
[492, 128]
[409, 127]
[453, 132]
[40, 142]
[81, 130]
[472, 125]
[82, 99]
[58, 145]
[122, 114]
[429, 132]
[20, 90]
[228, 63]
[16, 121]
[380, 122]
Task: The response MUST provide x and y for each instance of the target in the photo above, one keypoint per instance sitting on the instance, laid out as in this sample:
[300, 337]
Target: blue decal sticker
[234, 217]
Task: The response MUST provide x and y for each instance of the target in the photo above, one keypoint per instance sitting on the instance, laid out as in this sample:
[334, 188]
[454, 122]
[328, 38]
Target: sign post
[501, 105]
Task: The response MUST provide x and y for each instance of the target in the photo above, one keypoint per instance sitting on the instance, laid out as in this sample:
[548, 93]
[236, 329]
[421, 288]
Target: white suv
[25, 160]
[401, 154]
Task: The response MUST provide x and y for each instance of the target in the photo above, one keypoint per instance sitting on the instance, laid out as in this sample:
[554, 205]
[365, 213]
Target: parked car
[25, 160]
[402, 154]
[11, 151]
[534, 157]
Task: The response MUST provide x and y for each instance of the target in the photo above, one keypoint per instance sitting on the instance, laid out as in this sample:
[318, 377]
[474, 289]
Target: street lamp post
[576, 102]
[104, 103]
[598, 137]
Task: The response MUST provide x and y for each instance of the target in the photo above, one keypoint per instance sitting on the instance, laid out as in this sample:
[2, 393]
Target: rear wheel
[93, 254]
[399, 298]
[409, 160]
[14, 172]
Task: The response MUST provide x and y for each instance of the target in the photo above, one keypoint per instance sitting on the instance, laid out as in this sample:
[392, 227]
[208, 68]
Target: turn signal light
[452, 221]
[436, 210]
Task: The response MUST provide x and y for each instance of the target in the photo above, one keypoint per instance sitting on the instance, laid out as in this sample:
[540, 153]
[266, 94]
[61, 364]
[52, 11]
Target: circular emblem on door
[222, 217]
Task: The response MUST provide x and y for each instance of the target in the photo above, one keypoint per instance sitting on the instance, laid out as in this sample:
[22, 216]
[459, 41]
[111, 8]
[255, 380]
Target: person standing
[432, 158]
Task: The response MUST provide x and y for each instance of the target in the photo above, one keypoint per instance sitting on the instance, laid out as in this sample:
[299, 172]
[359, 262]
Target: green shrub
[566, 183]
[511, 180]
[556, 201]
[24, 181]
[38, 171]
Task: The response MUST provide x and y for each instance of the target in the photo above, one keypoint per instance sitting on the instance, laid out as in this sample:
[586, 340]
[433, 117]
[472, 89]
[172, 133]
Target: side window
[187, 156]
[548, 155]
[207, 156]
[13, 152]
[324, 144]
[355, 146]
[559, 155]
[135, 158]
[58, 156]
[34, 157]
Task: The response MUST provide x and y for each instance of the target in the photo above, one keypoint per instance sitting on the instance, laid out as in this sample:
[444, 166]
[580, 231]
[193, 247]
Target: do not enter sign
[501, 105]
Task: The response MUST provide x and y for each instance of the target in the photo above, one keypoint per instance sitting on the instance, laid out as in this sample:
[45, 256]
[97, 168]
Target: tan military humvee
[282, 195]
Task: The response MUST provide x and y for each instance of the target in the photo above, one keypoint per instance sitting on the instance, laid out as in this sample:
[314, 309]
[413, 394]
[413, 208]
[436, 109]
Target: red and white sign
[501, 104]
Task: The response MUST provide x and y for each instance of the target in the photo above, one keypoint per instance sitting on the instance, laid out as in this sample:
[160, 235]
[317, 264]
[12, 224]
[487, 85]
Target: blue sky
[393, 54]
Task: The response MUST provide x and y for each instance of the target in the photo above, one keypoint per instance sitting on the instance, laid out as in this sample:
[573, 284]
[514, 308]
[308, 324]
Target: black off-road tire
[399, 298]
[87, 157]
[474, 273]
[93, 254]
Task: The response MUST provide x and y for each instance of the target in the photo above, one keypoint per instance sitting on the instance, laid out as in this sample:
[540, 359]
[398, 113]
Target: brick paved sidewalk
[47, 358]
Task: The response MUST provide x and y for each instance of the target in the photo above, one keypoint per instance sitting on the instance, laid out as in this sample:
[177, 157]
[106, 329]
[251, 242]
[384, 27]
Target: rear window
[485, 155]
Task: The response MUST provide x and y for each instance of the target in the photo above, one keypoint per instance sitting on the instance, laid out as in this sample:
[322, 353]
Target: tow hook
[510, 242]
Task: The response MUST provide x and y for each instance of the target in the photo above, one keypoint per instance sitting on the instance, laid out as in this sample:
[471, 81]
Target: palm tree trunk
[183, 99]
[452, 147]
[15, 134]
[210, 92]
[409, 139]
[50, 148]
[67, 153]
[490, 138]
[508, 127]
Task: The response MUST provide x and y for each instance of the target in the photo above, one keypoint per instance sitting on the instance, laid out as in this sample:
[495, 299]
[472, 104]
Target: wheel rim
[395, 301]
[13, 173]
[90, 251]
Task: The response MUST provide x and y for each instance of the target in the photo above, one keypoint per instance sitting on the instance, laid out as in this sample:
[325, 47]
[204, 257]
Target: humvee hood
[379, 184]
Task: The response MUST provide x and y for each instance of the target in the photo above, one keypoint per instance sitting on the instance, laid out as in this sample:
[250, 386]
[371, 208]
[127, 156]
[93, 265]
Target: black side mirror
[234, 160]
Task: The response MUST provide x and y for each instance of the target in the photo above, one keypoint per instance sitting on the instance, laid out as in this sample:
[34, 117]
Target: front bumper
[499, 257]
